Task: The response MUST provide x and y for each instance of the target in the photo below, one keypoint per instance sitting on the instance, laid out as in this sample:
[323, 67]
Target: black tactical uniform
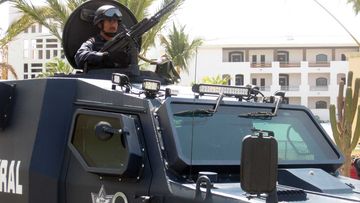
[88, 56]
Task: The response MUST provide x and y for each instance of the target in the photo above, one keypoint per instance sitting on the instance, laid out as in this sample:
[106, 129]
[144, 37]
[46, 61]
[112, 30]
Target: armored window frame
[130, 168]
[179, 161]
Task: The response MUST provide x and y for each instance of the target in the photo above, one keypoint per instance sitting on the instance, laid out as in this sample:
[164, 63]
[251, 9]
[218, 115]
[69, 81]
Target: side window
[106, 143]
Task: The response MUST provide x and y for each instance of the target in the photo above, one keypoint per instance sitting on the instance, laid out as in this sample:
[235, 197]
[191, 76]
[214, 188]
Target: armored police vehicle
[129, 136]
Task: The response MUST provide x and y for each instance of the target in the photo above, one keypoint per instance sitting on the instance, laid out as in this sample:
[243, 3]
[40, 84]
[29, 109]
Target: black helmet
[107, 12]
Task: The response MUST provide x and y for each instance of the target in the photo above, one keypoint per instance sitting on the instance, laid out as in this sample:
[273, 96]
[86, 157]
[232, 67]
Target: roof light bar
[218, 89]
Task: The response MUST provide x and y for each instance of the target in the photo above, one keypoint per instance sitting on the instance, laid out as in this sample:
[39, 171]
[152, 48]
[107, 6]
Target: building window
[55, 53]
[26, 68]
[33, 28]
[254, 58]
[253, 81]
[321, 58]
[47, 54]
[40, 54]
[37, 70]
[25, 76]
[39, 40]
[262, 84]
[32, 75]
[343, 57]
[40, 28]
[227, 77]
[284, 81]
[321, 82]
[39, 46]
[51, 40]
[51, 46]
[236, 56]
[239, 79]
[262, 59]
[321, 105]
[36, 65]
[283, 57]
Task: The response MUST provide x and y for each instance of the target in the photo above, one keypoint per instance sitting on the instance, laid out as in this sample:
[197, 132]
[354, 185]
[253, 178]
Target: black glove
[120, 58]
[105, 56]
[97, 58]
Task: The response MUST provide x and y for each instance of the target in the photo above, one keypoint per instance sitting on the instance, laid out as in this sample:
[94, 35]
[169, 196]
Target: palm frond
[73, 4]
[58, 11]
[5, 67]
[43, 15]
[16, 28]
[149, 37]
[56, 66]
[178, 46]
[356, 5]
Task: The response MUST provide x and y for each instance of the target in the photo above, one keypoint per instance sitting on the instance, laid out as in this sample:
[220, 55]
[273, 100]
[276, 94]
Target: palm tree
[56, 66]
[356, 5]
[179, 47]
[215, 80]
[5, 67]
[54, 13]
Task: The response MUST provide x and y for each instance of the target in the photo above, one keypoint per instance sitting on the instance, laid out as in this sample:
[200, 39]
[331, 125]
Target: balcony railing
[290, 88]
[260, 65]
[265, 88]
[319, 88]
[289, 65]
[319, 64]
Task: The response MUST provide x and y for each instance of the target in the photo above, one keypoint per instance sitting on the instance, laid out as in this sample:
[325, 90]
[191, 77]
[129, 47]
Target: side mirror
[259, 161]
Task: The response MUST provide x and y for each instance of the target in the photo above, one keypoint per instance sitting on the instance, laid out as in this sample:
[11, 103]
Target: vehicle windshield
[216, 139]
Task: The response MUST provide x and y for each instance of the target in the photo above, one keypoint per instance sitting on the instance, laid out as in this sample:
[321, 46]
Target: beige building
[309, 72]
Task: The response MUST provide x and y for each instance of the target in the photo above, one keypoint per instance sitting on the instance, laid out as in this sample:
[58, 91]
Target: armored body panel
[116, 138]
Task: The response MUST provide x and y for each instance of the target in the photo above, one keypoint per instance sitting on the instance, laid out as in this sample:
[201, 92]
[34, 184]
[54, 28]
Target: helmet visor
[113, 13]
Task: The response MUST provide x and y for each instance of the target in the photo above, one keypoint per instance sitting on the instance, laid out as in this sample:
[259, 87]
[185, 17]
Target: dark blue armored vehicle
[125, 135]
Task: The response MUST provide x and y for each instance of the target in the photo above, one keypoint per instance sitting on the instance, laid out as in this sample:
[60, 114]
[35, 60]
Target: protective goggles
[112, 12]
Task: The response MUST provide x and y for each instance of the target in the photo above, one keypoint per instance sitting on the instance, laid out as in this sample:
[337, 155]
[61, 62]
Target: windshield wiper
[264, 115]
[196, 112]
[257, 115]
[201, 112]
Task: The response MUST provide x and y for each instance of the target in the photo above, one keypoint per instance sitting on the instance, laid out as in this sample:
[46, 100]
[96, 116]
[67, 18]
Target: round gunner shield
[79, 27]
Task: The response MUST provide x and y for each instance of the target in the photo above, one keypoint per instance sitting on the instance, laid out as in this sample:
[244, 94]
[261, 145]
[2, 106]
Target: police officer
[88, 57]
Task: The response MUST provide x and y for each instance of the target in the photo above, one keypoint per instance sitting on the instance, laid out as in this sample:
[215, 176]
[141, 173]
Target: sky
[231, 19]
